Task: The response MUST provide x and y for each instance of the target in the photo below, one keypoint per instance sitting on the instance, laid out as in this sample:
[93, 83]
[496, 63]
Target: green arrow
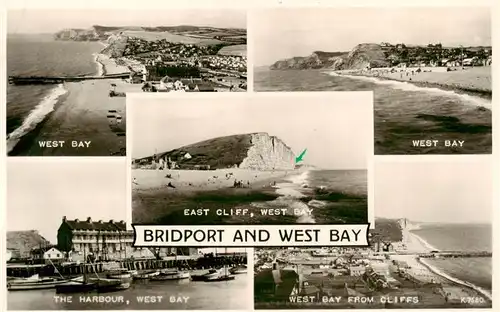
[299, 158]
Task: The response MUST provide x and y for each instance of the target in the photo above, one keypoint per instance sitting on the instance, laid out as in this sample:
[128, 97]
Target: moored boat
[220, 278]
[36, 282]
[146, 275]
[168, 275]
[223, 275]
[118, 274]
[211, 273]
[238, 270]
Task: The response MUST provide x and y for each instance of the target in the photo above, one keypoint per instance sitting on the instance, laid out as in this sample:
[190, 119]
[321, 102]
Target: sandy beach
[110, 65]
[200, 180]
[86, 121]
[155, 202]
[425, 272]
[469, 79]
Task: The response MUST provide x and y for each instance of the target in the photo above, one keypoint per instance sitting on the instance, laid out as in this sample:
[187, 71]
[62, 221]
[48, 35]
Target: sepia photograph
[253, 159]
[430, 69]
[69, 71]
[431, 247]
[70, 247]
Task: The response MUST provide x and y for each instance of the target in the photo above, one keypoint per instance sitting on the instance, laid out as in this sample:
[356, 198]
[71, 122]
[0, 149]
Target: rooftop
[88, 224]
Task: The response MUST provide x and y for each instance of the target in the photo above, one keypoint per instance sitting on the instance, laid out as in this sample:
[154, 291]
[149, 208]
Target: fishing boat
[111, 284]
[118, 274]
[169, 275]
[37, 282]
[211, 273]
[100, 285]
[222, 276]
[147, 275]
[238, 270]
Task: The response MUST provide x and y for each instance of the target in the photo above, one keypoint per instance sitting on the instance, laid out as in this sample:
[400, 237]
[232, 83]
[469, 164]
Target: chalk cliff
[361, 56]
[258, 151]
[268, 153]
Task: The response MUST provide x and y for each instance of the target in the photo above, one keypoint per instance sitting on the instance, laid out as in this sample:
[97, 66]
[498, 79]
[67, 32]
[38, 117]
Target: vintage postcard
[429, 68]
[253, 159]
[71, 247]
[69, 71]
[431, 247]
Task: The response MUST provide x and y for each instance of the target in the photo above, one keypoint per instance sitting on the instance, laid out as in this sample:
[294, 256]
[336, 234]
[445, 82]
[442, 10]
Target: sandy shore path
[472, 79]
[86, 119]
[200, 180]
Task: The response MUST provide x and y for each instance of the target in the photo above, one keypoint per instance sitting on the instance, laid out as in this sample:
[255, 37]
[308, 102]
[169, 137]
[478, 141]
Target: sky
[51, 20]
[41, 191]
[284, 33]
[451, 190]
[336, 128]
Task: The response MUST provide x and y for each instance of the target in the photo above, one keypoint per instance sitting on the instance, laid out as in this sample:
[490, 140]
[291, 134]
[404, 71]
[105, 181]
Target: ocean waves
[315, 197]
[408, 86]
[37, 115]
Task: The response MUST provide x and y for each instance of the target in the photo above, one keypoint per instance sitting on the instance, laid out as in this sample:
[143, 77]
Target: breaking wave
[408, 86]
[37, 115]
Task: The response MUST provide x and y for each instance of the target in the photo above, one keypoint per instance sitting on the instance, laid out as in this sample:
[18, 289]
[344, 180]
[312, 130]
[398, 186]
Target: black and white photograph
[431, 246]
[253, 159]
[430, 69]
[70, 247]
[69, 70]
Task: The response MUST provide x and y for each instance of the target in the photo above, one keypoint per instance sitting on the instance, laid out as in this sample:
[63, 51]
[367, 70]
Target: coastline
[288, 195]
[76, 115]
[186, 181]
[476, 85]
[427, 247]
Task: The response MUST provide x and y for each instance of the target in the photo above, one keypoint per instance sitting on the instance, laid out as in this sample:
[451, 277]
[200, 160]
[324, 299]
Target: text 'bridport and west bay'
[252, 235]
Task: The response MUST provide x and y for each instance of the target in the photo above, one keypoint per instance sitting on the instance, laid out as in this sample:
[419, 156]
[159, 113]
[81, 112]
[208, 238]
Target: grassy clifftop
[221, 152]
[361, 56]
[387, 230]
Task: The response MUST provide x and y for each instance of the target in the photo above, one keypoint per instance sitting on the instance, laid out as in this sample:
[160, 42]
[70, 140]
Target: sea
[403, 112]
[226, 295]
[297, 196]
[41, 55]
[461, 237]
[322, 196]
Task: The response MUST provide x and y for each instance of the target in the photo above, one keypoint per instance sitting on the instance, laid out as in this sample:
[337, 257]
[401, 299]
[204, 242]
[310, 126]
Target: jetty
[31, 80]
[199, 263]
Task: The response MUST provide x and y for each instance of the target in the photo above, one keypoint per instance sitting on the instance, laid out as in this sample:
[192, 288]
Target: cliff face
[25, 241]
[116, 45]
[258, 151]
[316, 60]
[268, 153]
[77, 35]
[361, 56]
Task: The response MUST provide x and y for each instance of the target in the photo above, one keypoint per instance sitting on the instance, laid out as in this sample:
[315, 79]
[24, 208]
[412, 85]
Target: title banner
[251, 235]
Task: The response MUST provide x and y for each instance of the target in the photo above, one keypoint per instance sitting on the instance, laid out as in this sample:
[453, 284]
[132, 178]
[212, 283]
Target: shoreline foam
[36, 116]
[442, 274]
[468, 95]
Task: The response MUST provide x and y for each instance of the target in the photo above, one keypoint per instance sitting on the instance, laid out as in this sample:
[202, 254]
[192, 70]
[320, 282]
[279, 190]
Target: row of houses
[77, 240]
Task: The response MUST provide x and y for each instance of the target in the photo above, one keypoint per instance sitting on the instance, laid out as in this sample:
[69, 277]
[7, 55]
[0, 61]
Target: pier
[30, 80]
[201, 263]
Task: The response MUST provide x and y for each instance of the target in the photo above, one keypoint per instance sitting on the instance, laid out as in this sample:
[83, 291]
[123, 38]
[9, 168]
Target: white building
[53, 254]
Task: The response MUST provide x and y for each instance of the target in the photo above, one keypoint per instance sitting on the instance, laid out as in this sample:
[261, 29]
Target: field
[154, 36]
[238, 50]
